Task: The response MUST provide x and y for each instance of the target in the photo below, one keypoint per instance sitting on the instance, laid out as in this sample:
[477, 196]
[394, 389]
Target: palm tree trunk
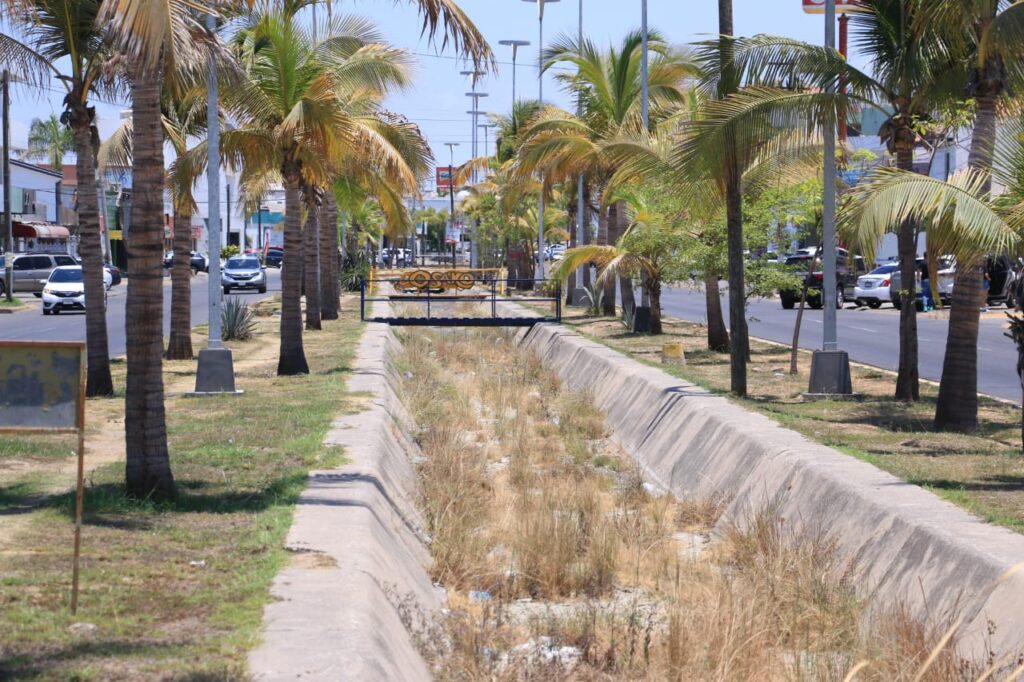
[148, 466]
[571, 281]
[329, 288]
[740, 343]
[311, 256]
[292, 357]
[957, 407]
[907, 379]
[654, 291]
[90, 247]
[179, 347]
[606, 221]
[718, 336]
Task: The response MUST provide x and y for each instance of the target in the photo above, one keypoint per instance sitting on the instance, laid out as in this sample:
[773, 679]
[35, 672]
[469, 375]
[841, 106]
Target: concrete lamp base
[216, 373]
[830, 374]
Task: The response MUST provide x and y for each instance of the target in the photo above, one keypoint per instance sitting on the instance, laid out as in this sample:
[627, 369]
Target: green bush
[237, 320]
[355, 270]
[229, 251]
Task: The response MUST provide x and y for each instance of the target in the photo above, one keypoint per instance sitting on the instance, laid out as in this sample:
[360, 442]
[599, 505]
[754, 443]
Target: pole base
[216, 373]
[642, 320]
[830, 374]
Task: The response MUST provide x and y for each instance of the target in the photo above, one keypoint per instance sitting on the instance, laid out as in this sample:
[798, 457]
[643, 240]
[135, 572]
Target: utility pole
[8, 223]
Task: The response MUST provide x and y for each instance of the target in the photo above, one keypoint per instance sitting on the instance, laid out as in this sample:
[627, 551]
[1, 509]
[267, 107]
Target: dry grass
[981, 472]
[562, 564]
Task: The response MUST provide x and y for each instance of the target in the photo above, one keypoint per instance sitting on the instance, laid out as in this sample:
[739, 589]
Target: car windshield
[61, 276]
[884, 269]
[243, 263]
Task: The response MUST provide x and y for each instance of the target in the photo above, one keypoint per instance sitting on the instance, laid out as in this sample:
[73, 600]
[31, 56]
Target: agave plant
[237, 320]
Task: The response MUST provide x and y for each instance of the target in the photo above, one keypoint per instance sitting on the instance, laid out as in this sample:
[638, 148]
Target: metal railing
[437, 293]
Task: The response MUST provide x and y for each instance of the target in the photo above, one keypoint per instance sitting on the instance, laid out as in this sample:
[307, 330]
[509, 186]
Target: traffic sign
[842, 6]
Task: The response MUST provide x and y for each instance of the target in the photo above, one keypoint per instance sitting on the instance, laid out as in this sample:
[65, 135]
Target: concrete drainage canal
[560, 560]
[534, 506]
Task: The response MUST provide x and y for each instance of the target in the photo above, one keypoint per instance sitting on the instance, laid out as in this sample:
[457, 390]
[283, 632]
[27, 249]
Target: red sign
[842, 6]
[444, 178]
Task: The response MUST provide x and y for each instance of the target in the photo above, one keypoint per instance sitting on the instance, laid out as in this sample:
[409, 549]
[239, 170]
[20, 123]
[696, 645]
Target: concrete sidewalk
[358, 577]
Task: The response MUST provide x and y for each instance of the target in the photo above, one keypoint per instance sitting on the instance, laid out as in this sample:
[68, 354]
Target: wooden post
[79, 489]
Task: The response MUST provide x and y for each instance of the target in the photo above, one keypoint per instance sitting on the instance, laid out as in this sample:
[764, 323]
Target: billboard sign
[41, 386]
[453, 233]
[444, 178]
[842, 6]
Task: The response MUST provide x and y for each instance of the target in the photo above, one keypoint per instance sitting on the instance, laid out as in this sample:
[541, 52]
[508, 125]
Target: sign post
[42, 390]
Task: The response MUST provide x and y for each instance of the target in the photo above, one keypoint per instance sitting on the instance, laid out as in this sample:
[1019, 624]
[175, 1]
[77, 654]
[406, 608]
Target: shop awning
[40, 231]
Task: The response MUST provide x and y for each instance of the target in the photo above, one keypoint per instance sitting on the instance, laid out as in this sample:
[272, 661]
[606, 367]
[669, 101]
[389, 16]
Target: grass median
[170, 591]
[982, 472]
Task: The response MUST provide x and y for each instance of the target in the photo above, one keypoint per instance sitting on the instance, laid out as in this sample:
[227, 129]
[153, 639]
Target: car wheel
[56, 311]
[1011, 303]
[227, 290]
[874, 304]
[46, 311]
[37, 294]
[262, 290]
[897, 301]
[840, 298]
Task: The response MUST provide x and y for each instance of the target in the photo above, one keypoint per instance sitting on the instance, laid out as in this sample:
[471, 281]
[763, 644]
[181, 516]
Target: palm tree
[731, 181]
[49, 139]
[300, 109]
[960, 215]
[790, 82]
[992, 32]
[563, 146]
[646, 250]
[63, 40]
[330, 291]
[159, 39]
[183, 118]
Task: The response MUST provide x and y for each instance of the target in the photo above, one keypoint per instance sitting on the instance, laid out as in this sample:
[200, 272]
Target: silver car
[31, 270]
[243, 272]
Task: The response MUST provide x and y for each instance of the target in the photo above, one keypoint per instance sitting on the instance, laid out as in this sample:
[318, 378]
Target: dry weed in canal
[561, 563]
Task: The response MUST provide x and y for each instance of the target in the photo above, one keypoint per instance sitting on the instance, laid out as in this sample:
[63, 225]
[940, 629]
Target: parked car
[274, 258]
[112, 270]
[872, 289]
[243, 272]
[65, 289]
[946, 275]
[31, 270]
[846, 278]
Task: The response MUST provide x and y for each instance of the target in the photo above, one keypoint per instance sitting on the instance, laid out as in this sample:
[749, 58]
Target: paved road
[871, 337]
[32, 325]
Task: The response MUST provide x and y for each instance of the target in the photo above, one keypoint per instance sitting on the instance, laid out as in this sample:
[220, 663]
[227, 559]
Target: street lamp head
[477, 94]
[514, 43]
[477, 112]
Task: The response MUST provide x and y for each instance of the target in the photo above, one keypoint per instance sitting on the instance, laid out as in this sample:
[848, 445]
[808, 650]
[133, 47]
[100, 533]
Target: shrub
[237, 320]
[229, 251]
[355, 270]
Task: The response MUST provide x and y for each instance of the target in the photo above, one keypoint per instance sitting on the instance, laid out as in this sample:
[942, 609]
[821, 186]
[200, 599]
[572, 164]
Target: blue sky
[437, 101]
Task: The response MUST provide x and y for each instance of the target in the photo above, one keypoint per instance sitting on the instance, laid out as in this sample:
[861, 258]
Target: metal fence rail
[436, 294]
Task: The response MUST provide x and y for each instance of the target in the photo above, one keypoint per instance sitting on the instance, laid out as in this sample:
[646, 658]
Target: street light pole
[8, 223]
[580, 207]
[515, 45]
[451, 190]
[540, 99]
[215, 373]
[830, 367]
[644, 110]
